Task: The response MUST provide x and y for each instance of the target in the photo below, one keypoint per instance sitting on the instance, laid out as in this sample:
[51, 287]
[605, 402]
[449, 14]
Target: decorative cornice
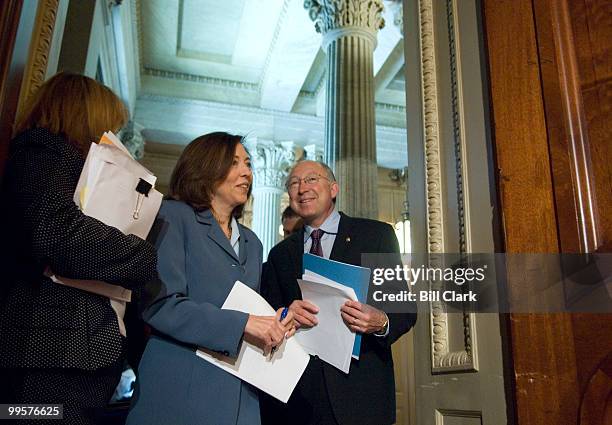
[139, 30]
[334, 14]
[320, 86]
[136, 38]
[378, 105]
[41, 44]
[390, 107]
[199, 79]
[308, 94]
[277, 30]
[306, 119]
[133, 140]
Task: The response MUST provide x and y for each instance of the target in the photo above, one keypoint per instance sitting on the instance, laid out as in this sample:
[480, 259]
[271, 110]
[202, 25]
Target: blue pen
[284, 313]
[282, 317]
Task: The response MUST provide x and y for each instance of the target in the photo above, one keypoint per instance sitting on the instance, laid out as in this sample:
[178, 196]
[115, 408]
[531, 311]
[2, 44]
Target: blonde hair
[75, 107]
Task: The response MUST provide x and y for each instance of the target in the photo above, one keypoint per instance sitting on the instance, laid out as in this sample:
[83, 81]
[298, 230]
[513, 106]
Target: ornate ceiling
[253, 66]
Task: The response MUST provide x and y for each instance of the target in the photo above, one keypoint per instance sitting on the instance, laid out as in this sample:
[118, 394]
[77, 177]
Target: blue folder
[355, 277]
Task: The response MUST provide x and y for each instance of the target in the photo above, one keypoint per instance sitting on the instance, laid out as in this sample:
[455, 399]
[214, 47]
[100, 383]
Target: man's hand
[363, 318]
[304, 313]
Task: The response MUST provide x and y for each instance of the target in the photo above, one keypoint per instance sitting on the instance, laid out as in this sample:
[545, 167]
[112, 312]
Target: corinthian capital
[131, 137]
[337, 14]
[270, 162]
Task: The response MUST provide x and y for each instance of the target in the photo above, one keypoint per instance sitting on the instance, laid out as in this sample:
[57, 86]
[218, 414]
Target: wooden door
[550, 67]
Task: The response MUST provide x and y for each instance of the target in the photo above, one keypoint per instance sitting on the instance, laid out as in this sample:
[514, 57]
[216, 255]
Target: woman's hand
[267, 332]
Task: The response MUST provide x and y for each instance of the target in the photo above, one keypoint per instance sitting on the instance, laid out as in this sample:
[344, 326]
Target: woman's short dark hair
[204, 164]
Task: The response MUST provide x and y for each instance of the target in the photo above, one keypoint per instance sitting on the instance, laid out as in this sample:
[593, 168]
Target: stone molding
[313, 153]
[133, 139]
[243, 108]
[397, 8]
[277, 30]
[443, 360]
[36, 69]
[153, 72]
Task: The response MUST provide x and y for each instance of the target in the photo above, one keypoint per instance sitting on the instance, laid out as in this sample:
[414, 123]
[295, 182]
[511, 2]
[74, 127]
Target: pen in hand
[282, 317]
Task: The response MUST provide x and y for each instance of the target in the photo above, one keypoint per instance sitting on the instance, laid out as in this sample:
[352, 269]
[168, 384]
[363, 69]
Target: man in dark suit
[325, 395]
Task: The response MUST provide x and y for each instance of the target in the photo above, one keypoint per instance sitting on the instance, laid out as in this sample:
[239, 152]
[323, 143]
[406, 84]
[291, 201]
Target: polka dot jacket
[43, 324]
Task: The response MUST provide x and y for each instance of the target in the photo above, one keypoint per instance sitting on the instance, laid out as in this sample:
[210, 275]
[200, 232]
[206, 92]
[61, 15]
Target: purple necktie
[315, 248]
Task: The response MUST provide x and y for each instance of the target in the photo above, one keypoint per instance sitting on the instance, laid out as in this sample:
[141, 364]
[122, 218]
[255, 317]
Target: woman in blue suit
[202, 251]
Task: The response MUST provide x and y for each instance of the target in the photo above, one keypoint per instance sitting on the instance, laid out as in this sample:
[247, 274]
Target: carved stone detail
[432, 142]
[270, 162]
[443, 359]
[313, 153]
[277, 30]
[457, 136]
[36, 69]
[333, 14]
[199, 79]
[397, 9]
[133, 139]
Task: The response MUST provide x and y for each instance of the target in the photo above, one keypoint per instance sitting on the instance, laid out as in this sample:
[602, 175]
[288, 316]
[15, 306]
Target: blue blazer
[198, 268]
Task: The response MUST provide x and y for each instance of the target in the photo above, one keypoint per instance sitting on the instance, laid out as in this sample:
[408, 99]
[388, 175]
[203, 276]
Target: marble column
[270, 164]
[349, 29]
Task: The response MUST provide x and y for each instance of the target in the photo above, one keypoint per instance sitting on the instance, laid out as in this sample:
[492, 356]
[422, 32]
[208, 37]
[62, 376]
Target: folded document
[330, 339]
[348, 275]
[116, 189]
[119, 192]
[276, 375]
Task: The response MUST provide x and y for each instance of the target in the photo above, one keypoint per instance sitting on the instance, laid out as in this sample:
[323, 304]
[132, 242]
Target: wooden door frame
[538, 132]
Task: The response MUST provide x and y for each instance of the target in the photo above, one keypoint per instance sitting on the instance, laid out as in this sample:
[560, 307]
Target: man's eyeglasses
[311, 179]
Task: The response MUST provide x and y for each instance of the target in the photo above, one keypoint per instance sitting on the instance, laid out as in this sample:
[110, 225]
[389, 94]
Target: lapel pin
[348, 239]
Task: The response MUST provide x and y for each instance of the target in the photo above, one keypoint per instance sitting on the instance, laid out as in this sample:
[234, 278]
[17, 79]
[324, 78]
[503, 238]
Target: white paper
[113, 292]
[276, 376]
[109, 136]
[107, 190]
[118, 296]
[330, 339]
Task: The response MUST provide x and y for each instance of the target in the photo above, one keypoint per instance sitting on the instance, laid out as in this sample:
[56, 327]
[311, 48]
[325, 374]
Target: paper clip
[143, 188]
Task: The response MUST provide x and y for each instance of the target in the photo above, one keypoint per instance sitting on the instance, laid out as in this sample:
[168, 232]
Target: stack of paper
[116, 189]
[327, 284]
[330, 339]
[276, 375]
[119, 192]
[347, 275]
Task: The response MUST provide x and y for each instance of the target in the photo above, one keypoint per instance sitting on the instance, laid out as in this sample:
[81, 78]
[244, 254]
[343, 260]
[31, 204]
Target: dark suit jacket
[43, 324]
[367, 394]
